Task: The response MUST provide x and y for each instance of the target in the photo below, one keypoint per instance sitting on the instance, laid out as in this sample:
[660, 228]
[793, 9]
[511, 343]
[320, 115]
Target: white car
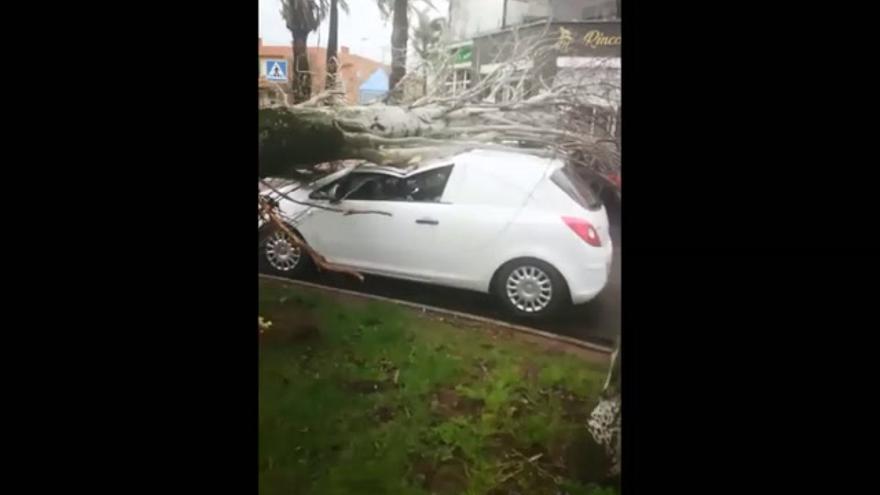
[523, 228]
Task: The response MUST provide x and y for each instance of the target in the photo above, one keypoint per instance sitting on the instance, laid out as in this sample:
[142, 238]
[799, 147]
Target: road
[597, 321]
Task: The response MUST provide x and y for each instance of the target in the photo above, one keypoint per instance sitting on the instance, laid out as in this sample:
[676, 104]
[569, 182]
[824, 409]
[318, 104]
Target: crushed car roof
[441, 162]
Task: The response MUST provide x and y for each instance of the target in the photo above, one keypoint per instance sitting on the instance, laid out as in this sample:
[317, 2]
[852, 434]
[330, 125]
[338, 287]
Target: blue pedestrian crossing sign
[276, 70]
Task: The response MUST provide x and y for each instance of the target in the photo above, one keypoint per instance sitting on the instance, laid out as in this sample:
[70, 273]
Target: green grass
[468, 407]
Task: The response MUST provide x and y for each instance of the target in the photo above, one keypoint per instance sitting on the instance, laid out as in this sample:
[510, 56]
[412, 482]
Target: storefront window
[458, 82]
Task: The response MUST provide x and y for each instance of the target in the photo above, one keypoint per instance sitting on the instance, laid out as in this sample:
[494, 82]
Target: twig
[322, 207]
[510, 475]
[533, 462]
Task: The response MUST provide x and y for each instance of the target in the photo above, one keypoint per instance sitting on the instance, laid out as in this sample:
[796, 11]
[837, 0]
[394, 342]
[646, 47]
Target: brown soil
[384, 414]
[447, 402]
[500, 444]
[574, 408]
[290, 327]
[585, 460]
[447, 478]
[530, 370]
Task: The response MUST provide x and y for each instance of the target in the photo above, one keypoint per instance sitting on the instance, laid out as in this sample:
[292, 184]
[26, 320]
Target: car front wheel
[530, 288]
[279, 255]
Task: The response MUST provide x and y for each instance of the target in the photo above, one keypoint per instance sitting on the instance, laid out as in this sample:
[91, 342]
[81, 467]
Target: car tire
[529, 288]
[278, 256]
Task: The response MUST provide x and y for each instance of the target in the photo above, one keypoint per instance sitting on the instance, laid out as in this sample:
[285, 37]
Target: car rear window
[577, 188]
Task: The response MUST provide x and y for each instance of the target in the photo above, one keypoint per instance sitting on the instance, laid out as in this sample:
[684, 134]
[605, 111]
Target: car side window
[371, 187]
[423, 187]
[427, 186]
[360, 186]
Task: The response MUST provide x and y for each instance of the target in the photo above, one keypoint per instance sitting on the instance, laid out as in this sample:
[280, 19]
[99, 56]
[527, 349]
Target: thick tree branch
[344, 211]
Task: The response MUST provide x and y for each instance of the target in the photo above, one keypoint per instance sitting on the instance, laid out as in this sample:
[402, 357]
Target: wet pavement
[597, 321]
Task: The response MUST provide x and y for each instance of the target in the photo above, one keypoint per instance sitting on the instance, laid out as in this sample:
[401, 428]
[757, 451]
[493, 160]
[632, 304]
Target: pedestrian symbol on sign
[276, 70]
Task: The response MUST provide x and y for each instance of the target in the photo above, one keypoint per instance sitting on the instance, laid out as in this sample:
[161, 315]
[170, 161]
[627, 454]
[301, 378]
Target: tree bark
[302, 78]
[302, 136]
[332, 42]
[399, 37]
[338, 133]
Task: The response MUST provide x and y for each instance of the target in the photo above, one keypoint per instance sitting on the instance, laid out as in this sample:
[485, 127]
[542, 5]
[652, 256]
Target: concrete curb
[457, 314]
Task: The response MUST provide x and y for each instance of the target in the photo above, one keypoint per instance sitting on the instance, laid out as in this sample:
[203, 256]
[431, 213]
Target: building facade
[470, 18]
[482, 34]
[276, 63]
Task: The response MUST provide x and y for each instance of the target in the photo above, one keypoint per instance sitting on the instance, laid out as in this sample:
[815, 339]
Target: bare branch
[344, 211]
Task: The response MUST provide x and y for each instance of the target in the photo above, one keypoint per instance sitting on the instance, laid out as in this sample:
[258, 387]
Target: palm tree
[332, 41]
[302, 17]
[426, 36]
[399, 35]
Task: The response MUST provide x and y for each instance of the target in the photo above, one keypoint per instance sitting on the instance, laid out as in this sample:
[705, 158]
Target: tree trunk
[400, 136]
[302, 78]
[335, 134]
[332, 41]
[399, 36]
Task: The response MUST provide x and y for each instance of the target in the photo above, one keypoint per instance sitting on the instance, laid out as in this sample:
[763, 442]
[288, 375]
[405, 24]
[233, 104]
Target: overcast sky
[362, 30]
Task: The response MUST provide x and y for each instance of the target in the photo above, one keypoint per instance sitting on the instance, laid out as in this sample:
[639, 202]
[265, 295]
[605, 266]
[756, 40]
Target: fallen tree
[514, 107]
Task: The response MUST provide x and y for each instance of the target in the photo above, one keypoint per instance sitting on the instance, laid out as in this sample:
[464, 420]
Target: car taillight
[584, 230]
[615, 179]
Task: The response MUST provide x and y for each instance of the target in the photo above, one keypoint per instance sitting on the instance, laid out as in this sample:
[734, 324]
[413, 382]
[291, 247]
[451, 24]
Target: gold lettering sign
[595, 39]
[565, 39]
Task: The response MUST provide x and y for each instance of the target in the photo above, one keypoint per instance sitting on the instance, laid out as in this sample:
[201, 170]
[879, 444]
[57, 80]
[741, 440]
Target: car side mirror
[333, 195]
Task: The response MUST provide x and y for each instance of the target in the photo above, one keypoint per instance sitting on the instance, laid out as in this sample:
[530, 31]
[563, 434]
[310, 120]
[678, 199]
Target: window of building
[603, 122]
[458, 82]
[514, 92]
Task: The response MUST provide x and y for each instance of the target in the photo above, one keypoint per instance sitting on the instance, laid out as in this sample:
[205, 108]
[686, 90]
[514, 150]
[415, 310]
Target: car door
[354, 240]
[418, 211]
[399, 241]
[439, 240]
[480, 202]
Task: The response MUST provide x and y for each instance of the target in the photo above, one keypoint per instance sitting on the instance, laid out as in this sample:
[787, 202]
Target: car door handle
[427, 221]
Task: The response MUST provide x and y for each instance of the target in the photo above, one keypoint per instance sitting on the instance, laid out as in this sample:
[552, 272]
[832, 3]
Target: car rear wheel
[280, 256]
[530, 288]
